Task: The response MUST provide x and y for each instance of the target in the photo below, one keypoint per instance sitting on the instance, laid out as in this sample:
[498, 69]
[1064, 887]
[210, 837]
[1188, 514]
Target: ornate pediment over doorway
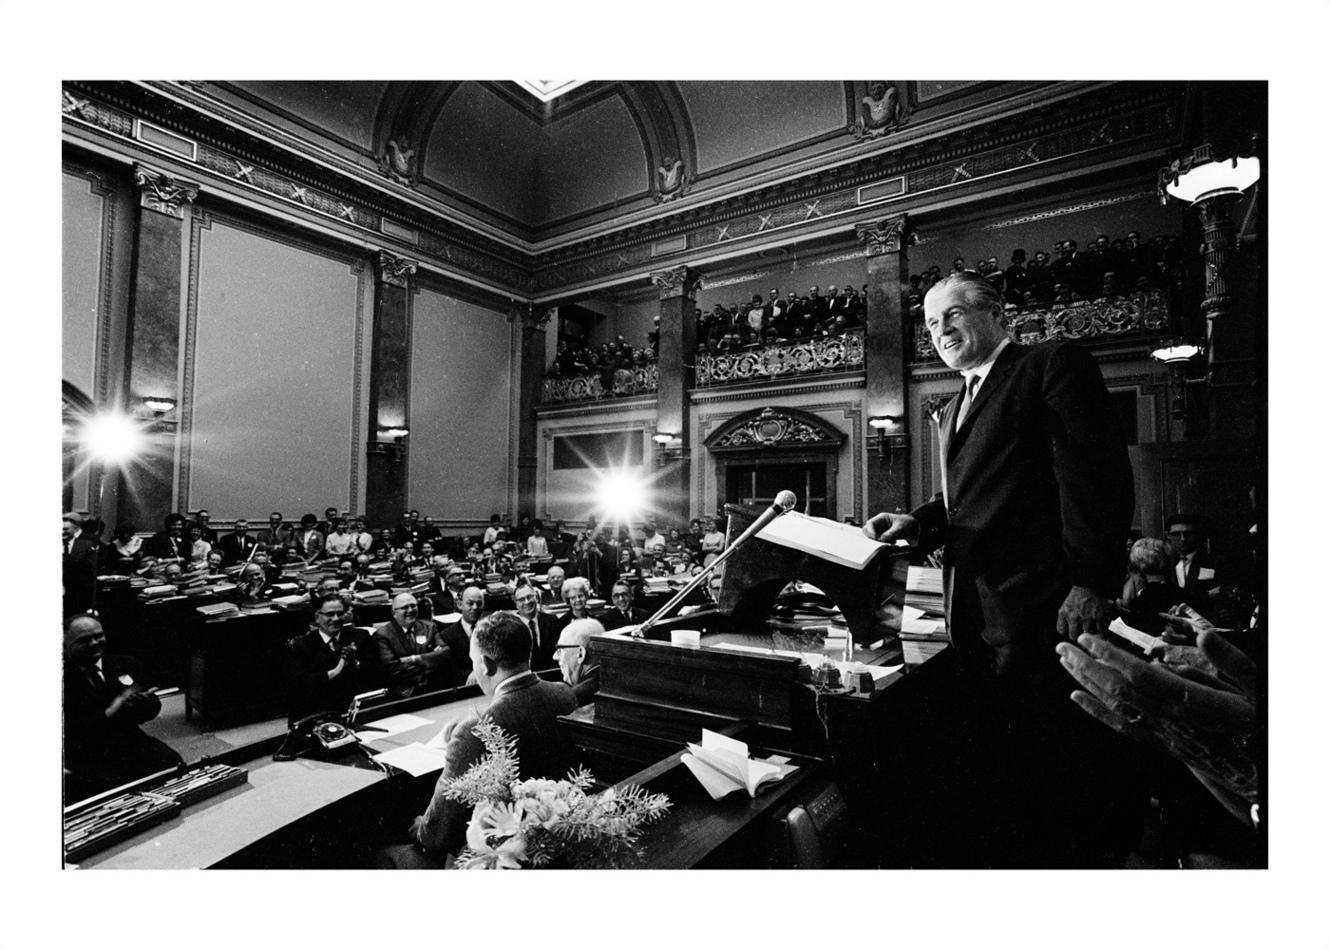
[775, 427]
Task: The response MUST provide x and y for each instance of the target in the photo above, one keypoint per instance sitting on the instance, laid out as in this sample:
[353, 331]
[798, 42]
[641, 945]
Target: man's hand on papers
[890, 526]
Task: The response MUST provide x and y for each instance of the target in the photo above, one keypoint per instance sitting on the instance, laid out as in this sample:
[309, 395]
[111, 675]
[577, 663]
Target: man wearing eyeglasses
[544, 628]
[415, 654]
[330, 664]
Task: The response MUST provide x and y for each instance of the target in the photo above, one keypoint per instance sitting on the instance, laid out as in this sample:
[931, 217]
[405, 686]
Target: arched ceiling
[537, 170]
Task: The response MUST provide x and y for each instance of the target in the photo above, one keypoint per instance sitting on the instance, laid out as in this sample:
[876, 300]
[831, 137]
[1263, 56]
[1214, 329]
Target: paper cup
[686, 638]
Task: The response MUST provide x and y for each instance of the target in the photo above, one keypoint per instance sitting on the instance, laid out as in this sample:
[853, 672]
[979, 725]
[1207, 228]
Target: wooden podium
[871, 599]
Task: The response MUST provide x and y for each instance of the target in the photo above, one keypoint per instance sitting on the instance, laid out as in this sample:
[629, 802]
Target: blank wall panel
[81, 275]
[460, 400]
[274, 389]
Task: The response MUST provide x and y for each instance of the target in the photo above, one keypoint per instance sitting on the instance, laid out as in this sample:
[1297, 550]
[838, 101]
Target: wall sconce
[392, 441]
[663, 452]
[1175, 355]
[159, 405]
[888, 432]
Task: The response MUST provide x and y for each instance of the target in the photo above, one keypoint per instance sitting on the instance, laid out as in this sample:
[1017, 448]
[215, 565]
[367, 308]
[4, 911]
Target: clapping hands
[1203, 721]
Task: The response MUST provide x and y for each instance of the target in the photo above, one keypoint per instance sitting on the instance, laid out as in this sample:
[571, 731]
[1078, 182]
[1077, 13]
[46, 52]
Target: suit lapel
[992, 383]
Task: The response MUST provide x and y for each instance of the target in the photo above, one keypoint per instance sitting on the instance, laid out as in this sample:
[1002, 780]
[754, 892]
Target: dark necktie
[971, 384]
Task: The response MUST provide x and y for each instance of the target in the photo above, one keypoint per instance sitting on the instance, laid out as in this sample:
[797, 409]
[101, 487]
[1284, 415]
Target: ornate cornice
[1099, 120]
[774, 427]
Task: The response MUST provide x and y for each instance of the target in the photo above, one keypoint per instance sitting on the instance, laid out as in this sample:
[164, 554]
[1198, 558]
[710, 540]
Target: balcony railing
[630, 381]
[1143, 312]
[795, 358]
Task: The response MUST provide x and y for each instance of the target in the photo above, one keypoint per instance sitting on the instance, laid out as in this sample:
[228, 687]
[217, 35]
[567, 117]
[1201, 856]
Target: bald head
[572, 650]
[473, 603]
[405, 610]
[84, 640]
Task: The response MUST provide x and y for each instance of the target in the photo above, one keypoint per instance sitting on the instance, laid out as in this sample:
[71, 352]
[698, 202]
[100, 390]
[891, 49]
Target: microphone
[785, 500]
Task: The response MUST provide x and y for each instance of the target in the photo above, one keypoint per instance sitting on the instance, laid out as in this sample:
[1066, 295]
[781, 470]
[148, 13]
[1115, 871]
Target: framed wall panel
[273, 353]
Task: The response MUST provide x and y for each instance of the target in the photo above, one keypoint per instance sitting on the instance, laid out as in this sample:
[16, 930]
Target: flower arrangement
[540, 822]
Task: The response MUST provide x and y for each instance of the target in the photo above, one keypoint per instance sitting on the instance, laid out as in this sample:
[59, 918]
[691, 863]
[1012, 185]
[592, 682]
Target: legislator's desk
[155, 632]
[302, 813]
[237, 665]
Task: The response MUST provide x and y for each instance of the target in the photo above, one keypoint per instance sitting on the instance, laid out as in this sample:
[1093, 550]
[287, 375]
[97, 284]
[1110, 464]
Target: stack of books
[375, 596]
[291, 601]
[220, 609]
[924, 627]
[157, 591]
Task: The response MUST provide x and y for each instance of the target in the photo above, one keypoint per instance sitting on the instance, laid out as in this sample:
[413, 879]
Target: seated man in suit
[105, 699]
[278, 534]
[416, 656]
[624, 613]
[1198, 572]
[544, 628]
[446, 586]
[523, 705]
[552, 592]
[236, 547]
[574, 650]
[330, 664]
[253, 586]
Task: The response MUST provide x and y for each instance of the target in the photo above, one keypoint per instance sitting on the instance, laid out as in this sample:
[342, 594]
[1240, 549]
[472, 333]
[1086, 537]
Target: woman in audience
[576, 593]
[713, 542]
[198, 548]
[124, 554]
[340, 542]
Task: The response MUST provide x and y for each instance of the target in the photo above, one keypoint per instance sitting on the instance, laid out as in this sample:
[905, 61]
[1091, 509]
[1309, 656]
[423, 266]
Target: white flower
[501, 822]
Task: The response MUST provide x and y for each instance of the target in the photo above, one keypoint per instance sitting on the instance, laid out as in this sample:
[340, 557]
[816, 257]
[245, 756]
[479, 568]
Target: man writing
[1037, 495]
[523, 705]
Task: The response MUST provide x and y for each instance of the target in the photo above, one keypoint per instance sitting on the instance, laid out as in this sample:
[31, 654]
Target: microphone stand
[706, 572]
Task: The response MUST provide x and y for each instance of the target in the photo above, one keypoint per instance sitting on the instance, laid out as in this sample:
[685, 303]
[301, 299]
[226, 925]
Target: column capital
[395, 270]
[677, 282]
[164, 193]
[885, 236]
[531, 316]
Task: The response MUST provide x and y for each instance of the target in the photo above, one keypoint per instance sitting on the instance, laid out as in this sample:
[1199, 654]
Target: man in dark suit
[623, 614]
[416, 655]
[330, 664]
[523, 705]
[105, 699]
[78, 565]
[1198, 572]
[574, 658]
[1037, 496]
[543, 627]
[237, 545]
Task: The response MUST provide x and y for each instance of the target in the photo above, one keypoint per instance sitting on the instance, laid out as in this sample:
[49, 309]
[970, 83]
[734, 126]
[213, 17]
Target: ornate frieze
[163, 193]
[829, 354]
[630, 381]
[395, 270]
[1143, 312]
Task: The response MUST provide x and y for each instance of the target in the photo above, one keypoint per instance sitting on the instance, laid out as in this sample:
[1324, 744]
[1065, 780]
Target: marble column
[531, 369]
[153, 346]
[387, 452]
[886, 336]
[675, 368]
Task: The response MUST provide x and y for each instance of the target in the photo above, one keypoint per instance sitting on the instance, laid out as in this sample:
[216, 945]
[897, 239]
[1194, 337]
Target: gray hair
[978, 291]
[574, 584]
[1153, 556]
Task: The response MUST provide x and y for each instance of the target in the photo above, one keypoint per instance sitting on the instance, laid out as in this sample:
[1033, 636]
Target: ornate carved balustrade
[796, 358]
[631, 381]
[1143, 312]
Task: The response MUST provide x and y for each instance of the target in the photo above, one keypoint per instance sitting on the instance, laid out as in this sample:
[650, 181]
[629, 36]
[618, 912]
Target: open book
[831, 540]
[722, 766]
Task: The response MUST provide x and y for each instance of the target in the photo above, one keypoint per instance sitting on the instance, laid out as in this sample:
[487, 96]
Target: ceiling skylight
[547, 90]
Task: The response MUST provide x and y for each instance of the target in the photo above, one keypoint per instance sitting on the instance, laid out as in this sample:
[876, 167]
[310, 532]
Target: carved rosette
[772, 427]
[888, 236]
[395, 270]
[164, 193]
[678, 282]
